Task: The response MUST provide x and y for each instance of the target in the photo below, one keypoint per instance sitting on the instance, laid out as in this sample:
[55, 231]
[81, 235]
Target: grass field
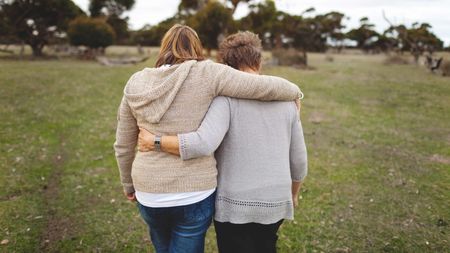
[378, 139]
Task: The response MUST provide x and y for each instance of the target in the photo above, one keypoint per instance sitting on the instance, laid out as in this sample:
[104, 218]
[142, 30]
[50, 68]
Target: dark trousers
[247, 238]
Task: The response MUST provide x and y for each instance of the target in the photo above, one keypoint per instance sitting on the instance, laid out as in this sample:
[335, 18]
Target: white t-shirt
[171, 199]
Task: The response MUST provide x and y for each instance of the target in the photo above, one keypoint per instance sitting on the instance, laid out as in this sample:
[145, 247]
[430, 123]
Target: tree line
[38, 23]
[42, 22]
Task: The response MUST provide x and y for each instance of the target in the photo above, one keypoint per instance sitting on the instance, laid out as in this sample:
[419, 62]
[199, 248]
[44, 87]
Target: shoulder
[136, 76]
[206, 63]
[221, 101]
[142, 73]
[140, 79]
[295, 114]
[291, 107]
[288, 108]
[213, 66]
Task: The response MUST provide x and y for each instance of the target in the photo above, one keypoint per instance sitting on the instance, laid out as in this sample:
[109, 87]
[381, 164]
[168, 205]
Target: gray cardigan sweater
[262, 150]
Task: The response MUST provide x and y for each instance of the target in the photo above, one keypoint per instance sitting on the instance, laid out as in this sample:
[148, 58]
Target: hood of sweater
[151, 91]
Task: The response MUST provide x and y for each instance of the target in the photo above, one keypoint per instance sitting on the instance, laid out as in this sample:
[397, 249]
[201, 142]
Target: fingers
[141, 145]
[131, 196]
[142, 140]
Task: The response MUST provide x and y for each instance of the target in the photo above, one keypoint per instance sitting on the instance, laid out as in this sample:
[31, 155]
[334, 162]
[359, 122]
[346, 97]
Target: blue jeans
[180, 228]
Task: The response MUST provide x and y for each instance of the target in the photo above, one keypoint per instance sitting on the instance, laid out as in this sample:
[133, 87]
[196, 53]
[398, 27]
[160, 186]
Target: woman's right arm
[234, 83]
[125, 144]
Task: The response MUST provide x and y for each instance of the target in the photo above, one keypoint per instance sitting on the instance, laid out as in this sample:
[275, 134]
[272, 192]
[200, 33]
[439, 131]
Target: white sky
[434, 12]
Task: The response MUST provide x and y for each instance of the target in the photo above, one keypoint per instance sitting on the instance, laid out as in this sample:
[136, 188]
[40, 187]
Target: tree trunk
[37, 49]
[305, 57]
[278, 41]
[22, 50]
[416, 57]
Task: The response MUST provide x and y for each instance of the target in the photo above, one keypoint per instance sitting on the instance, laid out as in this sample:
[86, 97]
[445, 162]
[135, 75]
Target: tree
[109, 7]
[37, 22]
[210, 22]
[303, 34]
[190, 7]
[93, 33]
[364, 35]
[417, 39]
[120, 26]
[152, 35]
[6, 28]
[330, 26]
[279, 29]
[264, 20]
[235, 4]
[113, 11]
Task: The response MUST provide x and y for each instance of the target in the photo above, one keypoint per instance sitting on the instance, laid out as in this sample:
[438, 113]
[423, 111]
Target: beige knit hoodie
[172, 100]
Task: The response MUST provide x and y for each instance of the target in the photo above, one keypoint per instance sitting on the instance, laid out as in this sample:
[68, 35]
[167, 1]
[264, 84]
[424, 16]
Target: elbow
[210, 148]
[124, 150]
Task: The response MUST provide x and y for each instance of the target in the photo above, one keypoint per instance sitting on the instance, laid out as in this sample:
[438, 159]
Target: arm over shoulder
[234, 83]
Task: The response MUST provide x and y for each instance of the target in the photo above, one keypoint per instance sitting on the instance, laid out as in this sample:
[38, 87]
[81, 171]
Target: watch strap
[157, 143]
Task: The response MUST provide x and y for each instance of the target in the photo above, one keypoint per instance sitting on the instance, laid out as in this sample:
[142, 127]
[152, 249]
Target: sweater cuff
[300, 178]
[128, 189]
[182, 146]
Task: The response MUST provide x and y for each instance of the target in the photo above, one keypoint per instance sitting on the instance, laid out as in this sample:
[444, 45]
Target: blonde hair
[179, 44]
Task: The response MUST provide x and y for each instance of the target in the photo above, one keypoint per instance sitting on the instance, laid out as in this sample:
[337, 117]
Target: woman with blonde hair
[176, 197]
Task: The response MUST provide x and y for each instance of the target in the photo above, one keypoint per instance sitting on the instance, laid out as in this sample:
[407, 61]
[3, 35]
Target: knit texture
[172, 100]
[262, 150]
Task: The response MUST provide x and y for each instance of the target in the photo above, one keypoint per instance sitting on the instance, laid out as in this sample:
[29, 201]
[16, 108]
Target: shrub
[288, 57]
[445, 68]
[90, 32]
[396, 59]
[329, 58]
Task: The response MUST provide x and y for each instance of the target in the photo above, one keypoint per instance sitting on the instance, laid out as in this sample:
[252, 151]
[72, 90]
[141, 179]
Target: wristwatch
[157, 143]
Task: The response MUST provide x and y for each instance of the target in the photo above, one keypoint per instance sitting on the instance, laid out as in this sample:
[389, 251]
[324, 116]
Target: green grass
[378, 141]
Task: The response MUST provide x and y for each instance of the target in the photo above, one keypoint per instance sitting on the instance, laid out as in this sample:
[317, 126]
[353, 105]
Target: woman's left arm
[125, 144]
[202, 142]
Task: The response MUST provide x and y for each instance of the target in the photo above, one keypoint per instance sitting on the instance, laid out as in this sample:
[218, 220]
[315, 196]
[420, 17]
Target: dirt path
[58, 227]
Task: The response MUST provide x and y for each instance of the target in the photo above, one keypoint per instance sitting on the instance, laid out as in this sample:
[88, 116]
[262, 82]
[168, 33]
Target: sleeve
[238, 84]
[298, 155]
[210, 134]
[125, 144]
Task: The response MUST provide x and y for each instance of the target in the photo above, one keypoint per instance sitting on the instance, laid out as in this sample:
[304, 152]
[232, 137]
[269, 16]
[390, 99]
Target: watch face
[158, 143]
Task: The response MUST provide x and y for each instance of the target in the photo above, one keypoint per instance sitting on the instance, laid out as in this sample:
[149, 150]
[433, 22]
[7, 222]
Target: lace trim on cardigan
[252, 203]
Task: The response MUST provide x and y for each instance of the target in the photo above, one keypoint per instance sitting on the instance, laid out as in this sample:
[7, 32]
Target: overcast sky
[434, 12]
